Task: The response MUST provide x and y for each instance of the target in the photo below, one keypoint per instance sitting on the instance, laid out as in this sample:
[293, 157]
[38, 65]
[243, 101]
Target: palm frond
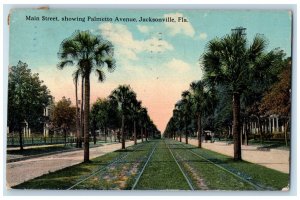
[257, 47]
[111, 64]
[64, 63]
[100, 75]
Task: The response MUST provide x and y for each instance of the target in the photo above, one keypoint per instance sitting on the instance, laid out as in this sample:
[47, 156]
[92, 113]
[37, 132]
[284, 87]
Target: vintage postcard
[121, 99]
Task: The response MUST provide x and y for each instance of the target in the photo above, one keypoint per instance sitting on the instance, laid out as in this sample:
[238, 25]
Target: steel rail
[103, 168]
[185, 176]
[223, 168]
[143, 169]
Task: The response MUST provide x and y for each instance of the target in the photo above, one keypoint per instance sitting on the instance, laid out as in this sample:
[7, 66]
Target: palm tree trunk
[86, 117]
[180, 137]
[236, 127]
[258, 129]
[243, 132]
[94, 133]
[247, 132]
[81, 113]
[134, 126]
[105, 134]
[186, 133]
[285, 131]
[77, 116]
[21, 139]
[122, 132]
[142, 134]
[65, 136]
[199, 130]
[146, 133]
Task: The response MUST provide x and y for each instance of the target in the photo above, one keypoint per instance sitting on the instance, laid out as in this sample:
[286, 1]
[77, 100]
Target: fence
[14, 141]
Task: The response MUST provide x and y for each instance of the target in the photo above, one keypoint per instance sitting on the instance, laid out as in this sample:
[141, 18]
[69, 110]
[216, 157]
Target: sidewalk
[274, 159]
[10, 157]
[21, 171]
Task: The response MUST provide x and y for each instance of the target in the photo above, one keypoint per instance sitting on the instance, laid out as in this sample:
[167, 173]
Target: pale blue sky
[157, 59]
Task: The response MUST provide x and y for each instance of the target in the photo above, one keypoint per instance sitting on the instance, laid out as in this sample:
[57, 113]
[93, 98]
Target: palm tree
[185, 105]
[75, 79]
[135, 108]
[88, 52]
[228, 61]
[124, 96]
[203, 103]
[179, 118]
[143, 117]
[198, 98]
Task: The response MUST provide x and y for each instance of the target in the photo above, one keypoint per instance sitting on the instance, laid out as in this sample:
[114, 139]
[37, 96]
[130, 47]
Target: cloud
[178, 65]
[203, 36]
[184, 28]
[144, 29]
[126, 46]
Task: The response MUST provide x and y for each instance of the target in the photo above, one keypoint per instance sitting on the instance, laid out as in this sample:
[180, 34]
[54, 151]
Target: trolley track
[159, 165]
[117, 160]
[143, 169]
[182, 171]
[227, 169]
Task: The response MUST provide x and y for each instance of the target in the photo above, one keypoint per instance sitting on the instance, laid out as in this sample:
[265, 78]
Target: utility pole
[239, 30]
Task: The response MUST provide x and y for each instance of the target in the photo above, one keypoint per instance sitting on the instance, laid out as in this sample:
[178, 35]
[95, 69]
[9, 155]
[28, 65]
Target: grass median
[266, 178]
[65, 178]
[162, 172]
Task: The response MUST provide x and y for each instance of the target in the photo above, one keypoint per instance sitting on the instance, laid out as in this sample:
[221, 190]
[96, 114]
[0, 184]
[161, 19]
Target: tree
[104, 116]
[263, 73]
[185, 105]
[99, 117]
[88, 52]
[143, 120]
[198, 98]
[178, 118]
[277, 100]
[135, 109]
[63, 116]
[124, 96]
[228, 61]
[78, 135]
[27, 98]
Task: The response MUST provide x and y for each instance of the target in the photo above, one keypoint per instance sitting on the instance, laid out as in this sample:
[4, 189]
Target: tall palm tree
[198, 95]
[203, 103]
[75, 79]
[179, 118]
[227, 61]
[88, 52]
[135, 108]
[82, 112]
[143, 117]
[124, 96]
[185, 105]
